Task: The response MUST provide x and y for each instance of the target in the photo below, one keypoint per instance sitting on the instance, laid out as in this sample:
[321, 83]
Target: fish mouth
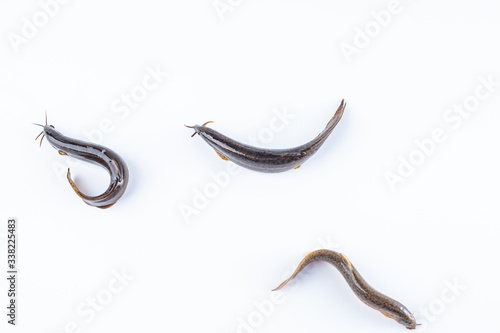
[196, 127]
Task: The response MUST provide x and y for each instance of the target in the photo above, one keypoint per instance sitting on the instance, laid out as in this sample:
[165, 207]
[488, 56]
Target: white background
[207, 272]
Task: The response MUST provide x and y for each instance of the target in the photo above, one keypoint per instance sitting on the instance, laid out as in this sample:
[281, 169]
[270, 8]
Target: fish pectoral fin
[222, 156]
[298, 166]
[62, 152]
[385, 314]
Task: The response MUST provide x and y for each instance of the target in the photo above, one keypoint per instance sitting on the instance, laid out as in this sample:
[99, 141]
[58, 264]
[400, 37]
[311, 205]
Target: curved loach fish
[261, 159]
[371, 297]
[95, 154]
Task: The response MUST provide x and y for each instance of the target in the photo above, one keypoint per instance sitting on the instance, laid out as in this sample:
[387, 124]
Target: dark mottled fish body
[266, 160]
[96, 154]
[371, 297]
